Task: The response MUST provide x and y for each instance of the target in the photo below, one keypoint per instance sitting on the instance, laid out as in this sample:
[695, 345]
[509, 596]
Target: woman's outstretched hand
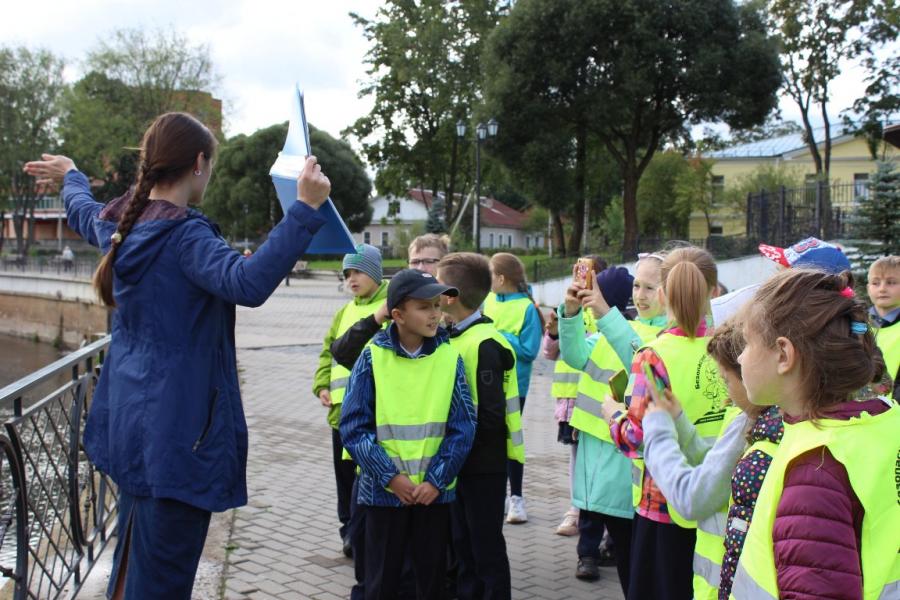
[50, 169]
[313, 186]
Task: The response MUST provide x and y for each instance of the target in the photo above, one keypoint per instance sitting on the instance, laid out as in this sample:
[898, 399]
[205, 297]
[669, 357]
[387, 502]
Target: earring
[198, 172]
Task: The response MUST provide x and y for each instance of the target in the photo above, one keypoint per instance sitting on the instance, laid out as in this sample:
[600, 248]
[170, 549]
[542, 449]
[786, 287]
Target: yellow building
[851, 166]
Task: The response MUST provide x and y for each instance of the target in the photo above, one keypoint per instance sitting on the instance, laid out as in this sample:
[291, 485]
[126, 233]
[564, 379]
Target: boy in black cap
[408, 421]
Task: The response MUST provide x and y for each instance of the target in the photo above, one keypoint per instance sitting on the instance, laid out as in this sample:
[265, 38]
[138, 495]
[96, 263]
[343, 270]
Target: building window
[367, 237]
[509, 241]
[491, 245]
[384, 238]
[715, 230]
[861, 185]
[718, 188]
[527, 241]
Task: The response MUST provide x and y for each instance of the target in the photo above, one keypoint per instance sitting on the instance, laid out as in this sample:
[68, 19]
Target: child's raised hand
[572, 302]
[667, 402]
[425, 493]
[382, 314]
[403, 488]
[611, 406]
[325, 397]
[593, 299]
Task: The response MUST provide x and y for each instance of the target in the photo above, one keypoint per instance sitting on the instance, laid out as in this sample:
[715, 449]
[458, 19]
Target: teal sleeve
[620, 335]
[574, 348]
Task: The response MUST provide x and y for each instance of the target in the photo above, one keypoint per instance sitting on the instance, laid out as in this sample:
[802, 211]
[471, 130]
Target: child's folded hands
[403, 488]
[425, 493]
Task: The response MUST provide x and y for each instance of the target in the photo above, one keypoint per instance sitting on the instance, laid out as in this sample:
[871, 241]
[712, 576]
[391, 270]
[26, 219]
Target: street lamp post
[482, 132]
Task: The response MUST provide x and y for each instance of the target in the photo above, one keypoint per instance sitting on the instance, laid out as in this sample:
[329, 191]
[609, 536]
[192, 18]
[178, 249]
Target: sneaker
[347, 548]
[516, 512]
[569, 525]
[587, 569]
[607, 557]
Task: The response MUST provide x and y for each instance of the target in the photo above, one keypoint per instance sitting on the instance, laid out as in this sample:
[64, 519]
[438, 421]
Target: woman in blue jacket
[166, 422]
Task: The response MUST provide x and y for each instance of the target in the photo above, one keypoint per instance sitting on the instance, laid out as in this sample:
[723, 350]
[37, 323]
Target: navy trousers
[654, 544]
[477, 529]
[344, 476]
[159, 545]
[590, 534]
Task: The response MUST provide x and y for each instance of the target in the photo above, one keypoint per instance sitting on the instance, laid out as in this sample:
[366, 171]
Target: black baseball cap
[413, 283]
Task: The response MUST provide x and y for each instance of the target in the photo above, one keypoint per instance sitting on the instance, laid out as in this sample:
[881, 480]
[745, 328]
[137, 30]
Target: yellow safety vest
[352, 313]
[593, 385]
[508, 316]
[888, 339]
[467, 344]
[412, 405]
[695, 381]
[565, 378]
[869, 449]
[710, 547]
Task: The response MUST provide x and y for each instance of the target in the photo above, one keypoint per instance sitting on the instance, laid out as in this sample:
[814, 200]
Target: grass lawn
[335, 265]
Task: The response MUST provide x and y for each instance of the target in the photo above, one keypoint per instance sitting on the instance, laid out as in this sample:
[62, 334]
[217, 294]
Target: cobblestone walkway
[285, 544]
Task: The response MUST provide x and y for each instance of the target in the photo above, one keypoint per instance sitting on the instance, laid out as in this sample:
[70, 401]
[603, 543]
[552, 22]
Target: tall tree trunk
[559, 233]
[578, 207]
[826, 211]
[451, 188]
[629, 206]
[2, 229]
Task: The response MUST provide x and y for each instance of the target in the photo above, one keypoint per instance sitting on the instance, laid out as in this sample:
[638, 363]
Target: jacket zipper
[209, 418]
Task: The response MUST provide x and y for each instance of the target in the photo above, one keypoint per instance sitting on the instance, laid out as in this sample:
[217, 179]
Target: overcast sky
[259, 47]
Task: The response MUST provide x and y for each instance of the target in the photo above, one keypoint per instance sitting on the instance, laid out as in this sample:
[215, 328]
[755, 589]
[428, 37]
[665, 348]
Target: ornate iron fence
[57, 512]
[53, 265]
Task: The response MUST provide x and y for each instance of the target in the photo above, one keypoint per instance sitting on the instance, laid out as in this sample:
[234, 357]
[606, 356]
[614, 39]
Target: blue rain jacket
[166, 419]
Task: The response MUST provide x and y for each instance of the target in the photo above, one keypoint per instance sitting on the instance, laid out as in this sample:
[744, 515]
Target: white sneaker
[516, 512]
[569, 525]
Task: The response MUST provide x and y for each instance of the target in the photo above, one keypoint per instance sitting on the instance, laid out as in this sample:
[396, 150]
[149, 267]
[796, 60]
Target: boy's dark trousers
[477, 526]
[590, 534]
[344, 474]
[655, 544]
[390, 532]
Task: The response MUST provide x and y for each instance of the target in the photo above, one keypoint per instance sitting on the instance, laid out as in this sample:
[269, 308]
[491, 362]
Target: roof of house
[781, 145]
[493, 212]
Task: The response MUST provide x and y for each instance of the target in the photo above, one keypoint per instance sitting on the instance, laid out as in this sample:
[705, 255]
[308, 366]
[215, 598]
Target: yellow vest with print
[593, 385]
[468, 343]
[565, 378]
[412, 405]
[508, 316]
[340, 375]
[695, 381]
[710, 547]
[869, 449]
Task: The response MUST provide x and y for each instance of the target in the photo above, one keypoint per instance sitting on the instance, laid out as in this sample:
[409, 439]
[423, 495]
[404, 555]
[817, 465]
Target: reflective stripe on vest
[593, 386]
[709, 550]
[411, 432]
[695, 381]
[868, 448]
[565, 378]
[508, 316]
[467, 344]
[352, 313]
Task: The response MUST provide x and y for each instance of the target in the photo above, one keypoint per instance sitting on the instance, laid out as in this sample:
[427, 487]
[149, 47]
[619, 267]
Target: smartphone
[617, 384]
[584, 272]
[651, 377]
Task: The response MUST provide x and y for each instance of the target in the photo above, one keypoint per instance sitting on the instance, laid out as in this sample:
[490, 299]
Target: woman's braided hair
[169, 151]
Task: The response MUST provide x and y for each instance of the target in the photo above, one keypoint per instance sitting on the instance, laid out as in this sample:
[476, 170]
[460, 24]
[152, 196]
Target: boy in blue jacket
[409, 423]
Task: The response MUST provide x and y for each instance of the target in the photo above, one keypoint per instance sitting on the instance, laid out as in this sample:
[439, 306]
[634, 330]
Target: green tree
[423, 77]
[877, 219]
[436, 213]
[31, 84]
[660, 214]
[131, 79]
[633, 74]
[242, 199]
[818, 38]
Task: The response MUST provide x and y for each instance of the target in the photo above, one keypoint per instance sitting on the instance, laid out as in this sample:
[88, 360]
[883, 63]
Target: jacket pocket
[209, 420]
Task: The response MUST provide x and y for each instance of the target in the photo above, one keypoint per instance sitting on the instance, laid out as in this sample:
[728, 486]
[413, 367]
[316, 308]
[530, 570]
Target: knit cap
[366, 259]
[615, 285]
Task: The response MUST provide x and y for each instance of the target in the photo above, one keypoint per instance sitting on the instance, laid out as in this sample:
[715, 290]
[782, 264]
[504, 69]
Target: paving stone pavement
[284, 544]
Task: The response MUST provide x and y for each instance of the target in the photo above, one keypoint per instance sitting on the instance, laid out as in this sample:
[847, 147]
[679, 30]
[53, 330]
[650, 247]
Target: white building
[501, 225]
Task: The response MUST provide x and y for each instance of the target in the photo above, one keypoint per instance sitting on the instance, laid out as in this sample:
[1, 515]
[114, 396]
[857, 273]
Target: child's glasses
[424, 261]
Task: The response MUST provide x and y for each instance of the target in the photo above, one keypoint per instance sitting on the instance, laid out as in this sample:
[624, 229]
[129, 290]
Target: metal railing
[57, 511]
[54, 265]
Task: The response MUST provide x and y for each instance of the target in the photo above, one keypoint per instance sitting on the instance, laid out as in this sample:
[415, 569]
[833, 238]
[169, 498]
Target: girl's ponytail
[688, 276]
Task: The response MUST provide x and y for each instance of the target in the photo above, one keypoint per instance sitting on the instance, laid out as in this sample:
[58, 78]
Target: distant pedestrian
[166, 422]
[68, 259]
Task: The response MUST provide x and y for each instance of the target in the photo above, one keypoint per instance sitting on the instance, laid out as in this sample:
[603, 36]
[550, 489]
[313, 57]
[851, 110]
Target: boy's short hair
[430, 240]
[470, 273]
[885, 264]
[726, 345]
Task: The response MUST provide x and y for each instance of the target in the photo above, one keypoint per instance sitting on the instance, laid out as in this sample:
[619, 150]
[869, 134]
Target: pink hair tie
[848, 292]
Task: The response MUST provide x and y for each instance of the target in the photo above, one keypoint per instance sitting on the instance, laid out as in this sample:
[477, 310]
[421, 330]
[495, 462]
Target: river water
[21, 356]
